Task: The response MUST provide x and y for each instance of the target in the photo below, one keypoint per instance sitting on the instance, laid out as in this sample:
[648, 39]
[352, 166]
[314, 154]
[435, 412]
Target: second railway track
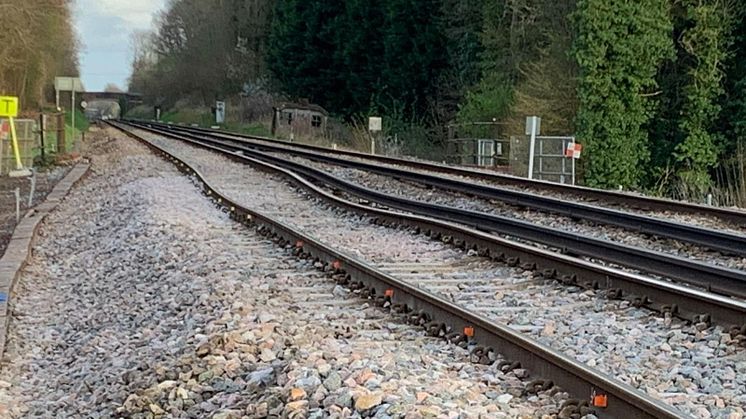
[435, 271]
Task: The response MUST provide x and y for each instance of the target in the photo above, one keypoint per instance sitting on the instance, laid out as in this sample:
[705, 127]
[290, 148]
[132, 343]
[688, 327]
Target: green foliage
[734, 99]
[413, 56]
[81, 122]
[619, 47]
[302, 52]
[490, 100]
[353, 57]
[461, 21]
[526, 68]
[706, 43]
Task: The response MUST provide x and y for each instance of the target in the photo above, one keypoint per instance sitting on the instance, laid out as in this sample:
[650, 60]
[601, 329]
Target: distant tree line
[203, 49]
[654, 89]
[37, 43]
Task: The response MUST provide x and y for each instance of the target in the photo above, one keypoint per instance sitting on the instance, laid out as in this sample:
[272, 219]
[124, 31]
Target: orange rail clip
[600, 400]
[469, 331]
[299, 243]
[389, 293]
[336, 264]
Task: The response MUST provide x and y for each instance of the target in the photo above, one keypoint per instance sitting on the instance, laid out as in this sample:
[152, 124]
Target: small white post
[33, 189]
[709, 199]
[18, 204]
[532, 129]
[573, 164]
[72, 107]
[375, 124]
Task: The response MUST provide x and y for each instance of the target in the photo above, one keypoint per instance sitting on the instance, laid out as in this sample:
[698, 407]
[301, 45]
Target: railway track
[516, 196]
[449, 318]
[718, 279]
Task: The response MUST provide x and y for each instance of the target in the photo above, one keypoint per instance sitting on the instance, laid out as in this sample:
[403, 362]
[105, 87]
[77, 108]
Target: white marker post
[219, 112]
[375, 124]
[533, 126]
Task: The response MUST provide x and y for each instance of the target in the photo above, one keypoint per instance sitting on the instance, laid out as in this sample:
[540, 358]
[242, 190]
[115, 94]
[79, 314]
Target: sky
[104, 29]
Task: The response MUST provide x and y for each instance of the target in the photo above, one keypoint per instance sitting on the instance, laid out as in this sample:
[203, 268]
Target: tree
[525, 65]
[734, 102]
[37, 43]
[303, 54]
[202, 50]
[413, 56]
[619, 47]
[461, 23]
[706, 43]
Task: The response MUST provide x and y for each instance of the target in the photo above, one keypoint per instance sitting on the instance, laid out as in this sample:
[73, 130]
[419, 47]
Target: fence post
[41, 135]
[61, 133]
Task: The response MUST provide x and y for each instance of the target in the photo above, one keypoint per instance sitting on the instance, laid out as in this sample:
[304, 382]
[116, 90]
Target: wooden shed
[292, 119]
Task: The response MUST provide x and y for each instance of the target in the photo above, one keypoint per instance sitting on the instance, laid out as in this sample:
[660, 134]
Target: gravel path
[423, 193]
[697, 371]
[156, 304]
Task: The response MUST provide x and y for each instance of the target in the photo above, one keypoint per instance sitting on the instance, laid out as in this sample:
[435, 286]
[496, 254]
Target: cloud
[105, 27]
[138, 14]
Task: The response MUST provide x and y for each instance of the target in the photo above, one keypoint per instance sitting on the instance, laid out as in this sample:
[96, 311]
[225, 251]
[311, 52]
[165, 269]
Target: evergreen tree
[302, 51]
[734, 101]
[360, 49]
[413, 56]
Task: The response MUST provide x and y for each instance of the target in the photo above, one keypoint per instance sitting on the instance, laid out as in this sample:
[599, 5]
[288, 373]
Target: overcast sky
[104, 28]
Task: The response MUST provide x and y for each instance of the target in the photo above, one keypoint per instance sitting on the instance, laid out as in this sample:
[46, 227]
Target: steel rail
[621, 198]
[619, 399]
[710, 238]
[725, 281]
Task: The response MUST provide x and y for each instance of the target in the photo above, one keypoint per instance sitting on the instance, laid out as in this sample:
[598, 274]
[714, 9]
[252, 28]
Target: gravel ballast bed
[700, 372]
[144, 300]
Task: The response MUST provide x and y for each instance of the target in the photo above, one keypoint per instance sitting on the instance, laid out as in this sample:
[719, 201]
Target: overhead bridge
[125, 100]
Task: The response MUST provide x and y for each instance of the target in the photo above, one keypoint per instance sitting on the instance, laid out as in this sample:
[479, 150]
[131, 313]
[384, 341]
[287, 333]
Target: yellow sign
[8, 106]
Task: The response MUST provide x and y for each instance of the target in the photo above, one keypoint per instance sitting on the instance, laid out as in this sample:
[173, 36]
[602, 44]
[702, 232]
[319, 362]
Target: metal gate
[478, 144]
[551, 160]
